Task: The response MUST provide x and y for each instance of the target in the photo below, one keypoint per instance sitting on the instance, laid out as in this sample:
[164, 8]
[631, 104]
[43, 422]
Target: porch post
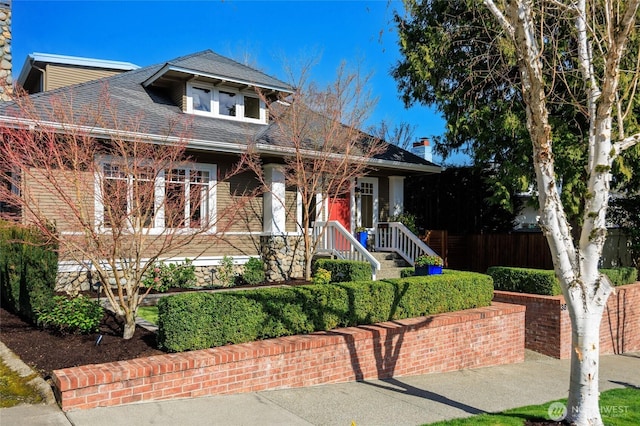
[274, 206]
[396, 195]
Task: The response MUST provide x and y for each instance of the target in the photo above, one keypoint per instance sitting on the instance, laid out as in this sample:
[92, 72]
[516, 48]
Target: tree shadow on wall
[387, 341]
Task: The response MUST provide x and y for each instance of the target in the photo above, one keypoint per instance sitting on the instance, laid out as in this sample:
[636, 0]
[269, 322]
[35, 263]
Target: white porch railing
[395, 237]
[335, 240]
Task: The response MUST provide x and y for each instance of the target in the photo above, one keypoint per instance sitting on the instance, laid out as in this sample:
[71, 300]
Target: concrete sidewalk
[401, 401]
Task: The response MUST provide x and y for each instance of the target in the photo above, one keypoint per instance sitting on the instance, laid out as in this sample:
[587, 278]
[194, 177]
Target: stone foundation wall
[283, 257]
[72, 282]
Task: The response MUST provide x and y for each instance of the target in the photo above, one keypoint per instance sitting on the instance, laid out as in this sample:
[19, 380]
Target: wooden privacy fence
[478, 252]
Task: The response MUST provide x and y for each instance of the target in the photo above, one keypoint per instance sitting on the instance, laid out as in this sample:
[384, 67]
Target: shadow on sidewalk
[396, 385]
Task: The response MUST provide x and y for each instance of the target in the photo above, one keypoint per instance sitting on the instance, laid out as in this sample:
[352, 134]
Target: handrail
[395, 237]
[335, 240]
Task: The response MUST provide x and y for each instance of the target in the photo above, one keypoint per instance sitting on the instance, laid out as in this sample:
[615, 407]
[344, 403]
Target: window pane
[251, 107]
[201, 99]
[227, 103]
[176, 175]
[174, 208]
[174, 216]
[142, 208]
[367, 210]
[311, 213]
[198, 198]
[114, 201]
[197, 207]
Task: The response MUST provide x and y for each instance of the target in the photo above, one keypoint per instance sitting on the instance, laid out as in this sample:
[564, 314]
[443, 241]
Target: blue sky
[149, 32]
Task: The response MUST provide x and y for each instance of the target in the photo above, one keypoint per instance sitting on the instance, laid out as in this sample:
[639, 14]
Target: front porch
[391, 246]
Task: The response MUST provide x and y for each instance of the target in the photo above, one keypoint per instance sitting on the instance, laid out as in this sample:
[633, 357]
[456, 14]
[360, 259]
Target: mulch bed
[46, 351]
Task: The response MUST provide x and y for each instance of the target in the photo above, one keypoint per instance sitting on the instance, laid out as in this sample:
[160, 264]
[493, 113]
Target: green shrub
[284, 311]
[621, 275]
[321, 276]
[447, 292]
[226, 272]
[369, 301]
[72, 315]
[544, 282]
[198, 321]
[202, 320]
[253, 273]
[524, 280]
[344, 270]
[407, 219]
[164, 276]
[28, 268]
[407, 272]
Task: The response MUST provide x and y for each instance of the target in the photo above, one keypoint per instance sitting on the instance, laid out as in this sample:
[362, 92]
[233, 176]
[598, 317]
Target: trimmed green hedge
[622, 275]
[544, 282]
[28, 268]
[344, 270]
[203, 320]
[198, 321]
[524, 280]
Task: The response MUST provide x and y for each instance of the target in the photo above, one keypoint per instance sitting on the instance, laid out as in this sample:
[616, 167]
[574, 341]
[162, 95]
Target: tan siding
[216, 245]
[291, 198]
[78, 188]
[57, 75]
[239, 209]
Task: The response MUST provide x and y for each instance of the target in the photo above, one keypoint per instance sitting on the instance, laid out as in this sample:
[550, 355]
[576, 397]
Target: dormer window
[201, 99]
[225, 102]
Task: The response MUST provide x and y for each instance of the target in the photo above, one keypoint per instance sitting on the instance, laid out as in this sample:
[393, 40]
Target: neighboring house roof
[35, 61]
[142, 94]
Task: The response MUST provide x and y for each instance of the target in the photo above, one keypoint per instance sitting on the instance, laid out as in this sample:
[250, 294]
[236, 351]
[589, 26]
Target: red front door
[340, 210]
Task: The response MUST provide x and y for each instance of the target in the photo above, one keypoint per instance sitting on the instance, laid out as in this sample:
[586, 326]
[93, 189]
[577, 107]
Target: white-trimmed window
[180, 198]
[225, 102]
[187, 203]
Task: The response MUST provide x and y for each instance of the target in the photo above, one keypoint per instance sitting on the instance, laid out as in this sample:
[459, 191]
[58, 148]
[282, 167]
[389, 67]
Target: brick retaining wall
[548, 327]
[467, 339]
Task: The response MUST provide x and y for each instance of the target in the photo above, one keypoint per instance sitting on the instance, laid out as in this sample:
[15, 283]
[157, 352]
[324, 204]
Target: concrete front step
[390, 265]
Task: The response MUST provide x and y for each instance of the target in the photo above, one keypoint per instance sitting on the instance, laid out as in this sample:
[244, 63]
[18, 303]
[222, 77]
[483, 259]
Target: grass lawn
[149, 313]
[618, 407]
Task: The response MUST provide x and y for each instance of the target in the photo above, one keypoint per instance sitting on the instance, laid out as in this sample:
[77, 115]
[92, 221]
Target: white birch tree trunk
[584, 288]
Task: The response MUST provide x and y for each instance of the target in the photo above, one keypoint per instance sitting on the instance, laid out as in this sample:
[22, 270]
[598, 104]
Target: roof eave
[26, 70]
[209, 145]
[168, 67]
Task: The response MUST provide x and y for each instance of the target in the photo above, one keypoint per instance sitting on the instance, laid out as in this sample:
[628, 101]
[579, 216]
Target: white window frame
[160, 191]
[373, 181]
[190, 107]
[214, 110]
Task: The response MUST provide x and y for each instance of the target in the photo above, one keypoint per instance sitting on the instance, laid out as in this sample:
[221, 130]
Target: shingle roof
[156, 114]
[210, 63]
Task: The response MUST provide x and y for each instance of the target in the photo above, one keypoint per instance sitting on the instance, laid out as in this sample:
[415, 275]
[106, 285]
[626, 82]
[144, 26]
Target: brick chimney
[423, 149]
[6, 80]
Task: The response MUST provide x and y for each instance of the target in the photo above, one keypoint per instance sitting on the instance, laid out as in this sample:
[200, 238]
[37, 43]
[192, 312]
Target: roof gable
[209, 65]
